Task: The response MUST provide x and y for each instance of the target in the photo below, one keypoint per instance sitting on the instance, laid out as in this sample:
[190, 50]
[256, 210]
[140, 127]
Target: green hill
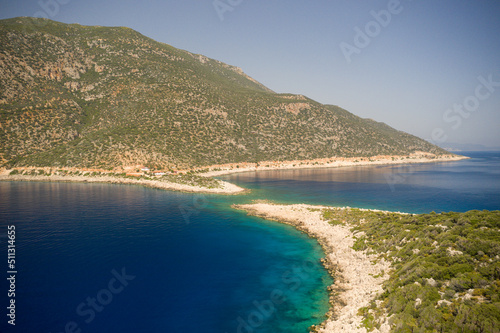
[91, 96]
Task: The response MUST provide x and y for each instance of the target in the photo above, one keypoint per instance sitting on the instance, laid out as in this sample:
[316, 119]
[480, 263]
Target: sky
[429, 68]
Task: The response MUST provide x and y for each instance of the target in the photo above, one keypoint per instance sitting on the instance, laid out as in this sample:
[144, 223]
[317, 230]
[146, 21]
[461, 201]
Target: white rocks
[431, 282]
[468, 295]
[453, 252]
[443, 302]
[355, 281]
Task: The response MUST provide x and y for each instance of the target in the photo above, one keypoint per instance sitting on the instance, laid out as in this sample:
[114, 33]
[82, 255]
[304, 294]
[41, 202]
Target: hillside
[106, 97]
[445, 273]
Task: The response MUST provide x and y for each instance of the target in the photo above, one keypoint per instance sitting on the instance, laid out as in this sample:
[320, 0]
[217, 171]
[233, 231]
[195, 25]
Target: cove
[216, 271]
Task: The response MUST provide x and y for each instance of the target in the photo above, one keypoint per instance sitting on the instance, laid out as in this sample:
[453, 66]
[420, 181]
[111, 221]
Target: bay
[413, 188]
[119, 258]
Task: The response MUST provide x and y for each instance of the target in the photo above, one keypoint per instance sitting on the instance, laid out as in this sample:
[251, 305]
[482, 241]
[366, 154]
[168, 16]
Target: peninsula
[200, 180]
[109, 105]
[399, 272]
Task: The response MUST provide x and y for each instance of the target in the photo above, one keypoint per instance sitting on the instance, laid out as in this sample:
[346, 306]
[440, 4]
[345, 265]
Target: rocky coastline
[225, 187]
[333, 162]
[358, 276]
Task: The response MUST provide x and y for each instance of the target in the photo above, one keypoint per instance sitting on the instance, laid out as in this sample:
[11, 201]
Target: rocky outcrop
[295, 108]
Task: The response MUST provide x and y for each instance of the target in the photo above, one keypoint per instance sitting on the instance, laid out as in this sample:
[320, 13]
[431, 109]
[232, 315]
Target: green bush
[462, 258]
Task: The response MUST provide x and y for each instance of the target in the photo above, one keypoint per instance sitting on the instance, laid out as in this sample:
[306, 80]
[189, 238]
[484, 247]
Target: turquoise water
[118, 258]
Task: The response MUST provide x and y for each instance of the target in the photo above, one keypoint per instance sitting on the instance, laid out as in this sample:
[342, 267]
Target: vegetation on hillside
[445, 273]
[189, 178]
[102, 97]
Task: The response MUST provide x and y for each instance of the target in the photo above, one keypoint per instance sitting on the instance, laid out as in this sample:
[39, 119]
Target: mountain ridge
[108, 97]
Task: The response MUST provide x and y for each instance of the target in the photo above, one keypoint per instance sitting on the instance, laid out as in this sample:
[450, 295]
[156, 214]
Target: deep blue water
[118, 258]
[209, 270]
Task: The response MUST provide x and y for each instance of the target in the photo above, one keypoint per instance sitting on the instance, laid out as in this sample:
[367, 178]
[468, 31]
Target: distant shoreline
[334, 162]
[358, 276]
[226, 188]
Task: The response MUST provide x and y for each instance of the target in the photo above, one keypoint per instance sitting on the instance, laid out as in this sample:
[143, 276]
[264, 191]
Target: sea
[123, 258]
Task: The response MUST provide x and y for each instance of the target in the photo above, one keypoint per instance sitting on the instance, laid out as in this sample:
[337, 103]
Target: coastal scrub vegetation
[192, 180]
[189, 178]
[445, 274]
[75, 96]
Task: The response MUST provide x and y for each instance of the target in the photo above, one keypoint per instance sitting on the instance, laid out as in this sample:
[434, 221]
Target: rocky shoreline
[358, 276]
[226, 188]
[334, 162]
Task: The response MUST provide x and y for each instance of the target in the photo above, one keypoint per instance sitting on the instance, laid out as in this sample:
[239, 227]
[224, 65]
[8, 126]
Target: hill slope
[84, 96]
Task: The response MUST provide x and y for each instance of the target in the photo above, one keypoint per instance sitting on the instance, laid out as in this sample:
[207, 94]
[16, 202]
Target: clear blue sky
[416, 71]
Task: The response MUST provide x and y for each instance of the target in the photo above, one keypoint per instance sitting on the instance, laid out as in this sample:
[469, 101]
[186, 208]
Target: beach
[358, 276]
